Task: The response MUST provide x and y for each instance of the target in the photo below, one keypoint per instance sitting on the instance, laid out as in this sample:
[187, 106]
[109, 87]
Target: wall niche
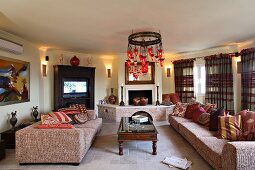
[74, 85]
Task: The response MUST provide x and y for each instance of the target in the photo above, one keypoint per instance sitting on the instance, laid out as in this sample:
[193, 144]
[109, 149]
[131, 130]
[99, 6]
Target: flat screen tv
[75, 88]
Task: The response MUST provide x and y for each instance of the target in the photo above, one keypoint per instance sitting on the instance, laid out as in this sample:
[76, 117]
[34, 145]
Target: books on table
[140, 118]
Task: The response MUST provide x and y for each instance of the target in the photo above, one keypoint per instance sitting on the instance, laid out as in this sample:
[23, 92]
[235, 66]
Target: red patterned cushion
[70, 110]
[197, 113]
[208, 107]
[174, 98]
[48, 120]
[61, 117]
[248, 122]
[204, 119]
[230, 127]
[190, 110]
[180, 109]
[56, 126]
[81, 118]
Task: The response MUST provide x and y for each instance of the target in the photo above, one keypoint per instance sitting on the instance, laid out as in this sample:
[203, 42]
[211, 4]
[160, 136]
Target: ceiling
[102, 26]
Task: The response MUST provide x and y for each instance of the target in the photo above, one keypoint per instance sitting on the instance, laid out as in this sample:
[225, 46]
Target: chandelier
[142, 48]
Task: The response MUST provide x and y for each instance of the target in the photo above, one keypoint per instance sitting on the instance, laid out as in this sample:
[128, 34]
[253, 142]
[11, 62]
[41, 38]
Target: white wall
[31, 55]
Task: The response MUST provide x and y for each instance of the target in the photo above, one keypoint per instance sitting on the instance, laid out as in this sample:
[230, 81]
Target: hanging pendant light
[144, 47]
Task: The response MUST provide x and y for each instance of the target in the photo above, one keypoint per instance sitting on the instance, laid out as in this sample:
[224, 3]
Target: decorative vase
[112, 98]
[74, 61]
[13, 119]
[35, 112]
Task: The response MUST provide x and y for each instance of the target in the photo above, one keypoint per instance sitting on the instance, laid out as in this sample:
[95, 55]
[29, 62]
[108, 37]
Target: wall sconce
[44, 70]
[46, 58]
[239, 67]
[109, 73]
[168, 72]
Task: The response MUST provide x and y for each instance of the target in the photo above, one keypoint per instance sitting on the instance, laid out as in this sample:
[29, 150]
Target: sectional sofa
[55, 145]
[219, 153]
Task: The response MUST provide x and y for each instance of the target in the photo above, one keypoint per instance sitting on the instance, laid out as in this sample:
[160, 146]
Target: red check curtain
[248, 78]
[184, 84]
[219, 81]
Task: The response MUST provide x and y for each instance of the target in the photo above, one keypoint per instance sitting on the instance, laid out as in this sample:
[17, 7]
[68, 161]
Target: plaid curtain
[219, 81]
[248, 78]
[184, 84]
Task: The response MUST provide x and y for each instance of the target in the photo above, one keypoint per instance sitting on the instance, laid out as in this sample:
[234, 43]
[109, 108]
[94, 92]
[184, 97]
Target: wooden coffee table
[132, 131]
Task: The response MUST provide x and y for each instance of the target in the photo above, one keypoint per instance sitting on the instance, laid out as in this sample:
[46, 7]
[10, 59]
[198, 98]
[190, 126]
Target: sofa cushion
[91, 114]
[248, 122]
[204, 119]
[197, 113]
[81, 118]
[208, 107]
[61, 117]
[69, 110]
[195, 130]
[180, 109]
[48, 120]
[94, 124]
[213, 123]
[190, 110]
[174, 121]
[230, 127]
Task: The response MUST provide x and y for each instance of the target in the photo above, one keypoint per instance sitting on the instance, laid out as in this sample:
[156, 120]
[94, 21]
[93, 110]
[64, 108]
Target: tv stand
[62, 72]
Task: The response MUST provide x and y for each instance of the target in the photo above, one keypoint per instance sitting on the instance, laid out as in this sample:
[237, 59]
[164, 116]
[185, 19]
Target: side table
[2, 149]
[9, 137]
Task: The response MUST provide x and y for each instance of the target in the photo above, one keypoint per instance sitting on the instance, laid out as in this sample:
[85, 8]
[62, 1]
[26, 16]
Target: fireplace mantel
[151, 87]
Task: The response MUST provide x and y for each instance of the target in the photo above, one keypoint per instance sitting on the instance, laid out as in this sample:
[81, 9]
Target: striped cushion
[61, 117]
[230, 127]
[69, 111]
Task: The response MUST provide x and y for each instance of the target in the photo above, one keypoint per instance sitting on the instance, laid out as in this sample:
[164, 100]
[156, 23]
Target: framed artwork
[14, 81]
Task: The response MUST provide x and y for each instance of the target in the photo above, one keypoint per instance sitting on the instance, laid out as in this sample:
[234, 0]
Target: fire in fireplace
[139, 93]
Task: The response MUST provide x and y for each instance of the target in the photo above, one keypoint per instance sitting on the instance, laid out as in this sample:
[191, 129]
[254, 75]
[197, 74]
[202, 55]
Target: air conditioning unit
[11, 47]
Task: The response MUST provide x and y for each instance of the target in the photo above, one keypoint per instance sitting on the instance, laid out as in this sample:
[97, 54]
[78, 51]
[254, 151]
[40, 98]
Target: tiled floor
[137, 155]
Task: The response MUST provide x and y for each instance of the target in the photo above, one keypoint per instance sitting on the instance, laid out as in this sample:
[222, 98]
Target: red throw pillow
[197, 113]
[174, 98]
[70, 110]
[190, 110]
[61, 117]
[55, 126]
[248, 120]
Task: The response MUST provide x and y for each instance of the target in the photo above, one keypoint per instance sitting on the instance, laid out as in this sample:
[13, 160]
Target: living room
[97, 34]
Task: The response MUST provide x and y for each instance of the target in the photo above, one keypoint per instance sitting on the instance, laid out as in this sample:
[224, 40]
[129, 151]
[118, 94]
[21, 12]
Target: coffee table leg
[120, 147]
[154, 147]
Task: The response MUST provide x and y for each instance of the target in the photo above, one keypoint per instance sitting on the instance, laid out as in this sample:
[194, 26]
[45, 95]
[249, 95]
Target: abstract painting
[14, 81]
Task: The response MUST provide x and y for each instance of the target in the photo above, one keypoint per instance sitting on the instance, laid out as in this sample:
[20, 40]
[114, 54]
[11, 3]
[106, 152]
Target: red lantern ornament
[128, 62]
[136, 51]
[161, 61]
[150, 51]
[129, 54]
[74, 61]
[135, 76]
[160, 51]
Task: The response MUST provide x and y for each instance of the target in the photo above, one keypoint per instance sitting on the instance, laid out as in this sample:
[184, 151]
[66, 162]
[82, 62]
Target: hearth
[139, 93]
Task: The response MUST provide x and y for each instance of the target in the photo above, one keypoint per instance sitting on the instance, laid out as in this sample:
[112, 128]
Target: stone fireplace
[139, 93]
[145, 90]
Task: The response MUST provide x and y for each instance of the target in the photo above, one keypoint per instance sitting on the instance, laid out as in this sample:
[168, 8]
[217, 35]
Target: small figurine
[13, 119]
[35, 112]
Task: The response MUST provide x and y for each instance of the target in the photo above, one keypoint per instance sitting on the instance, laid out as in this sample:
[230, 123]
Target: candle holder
[122, 102]
[157, 102]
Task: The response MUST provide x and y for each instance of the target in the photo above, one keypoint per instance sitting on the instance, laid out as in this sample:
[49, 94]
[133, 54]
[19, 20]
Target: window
[199, 79]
